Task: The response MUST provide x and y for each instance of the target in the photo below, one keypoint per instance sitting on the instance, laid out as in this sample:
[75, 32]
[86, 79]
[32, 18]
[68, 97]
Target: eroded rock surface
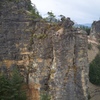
[51, 58]
[95, 30]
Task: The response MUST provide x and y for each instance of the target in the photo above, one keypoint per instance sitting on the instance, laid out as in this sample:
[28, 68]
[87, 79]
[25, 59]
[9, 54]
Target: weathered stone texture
[61, 65]
[14, 30]
[95, 30]
[51, 61]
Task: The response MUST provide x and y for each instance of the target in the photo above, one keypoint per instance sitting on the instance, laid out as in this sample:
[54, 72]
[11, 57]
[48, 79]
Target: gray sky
[80, 11]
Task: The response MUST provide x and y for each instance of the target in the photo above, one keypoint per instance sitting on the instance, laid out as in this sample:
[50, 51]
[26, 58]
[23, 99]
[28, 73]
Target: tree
[94, 71]
[51, 16]
[34, 12]
[11, 87]
[62, 17]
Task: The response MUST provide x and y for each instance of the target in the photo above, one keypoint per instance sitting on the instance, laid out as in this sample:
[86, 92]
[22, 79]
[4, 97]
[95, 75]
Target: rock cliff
[94, 40]
[95, 30]
[51, 58]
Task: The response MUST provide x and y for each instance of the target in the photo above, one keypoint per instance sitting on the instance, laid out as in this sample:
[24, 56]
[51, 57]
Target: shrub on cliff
[34, 12]
[94, 71]
[11, 87]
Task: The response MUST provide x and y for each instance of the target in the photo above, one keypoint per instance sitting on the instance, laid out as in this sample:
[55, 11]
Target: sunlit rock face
[52, 59]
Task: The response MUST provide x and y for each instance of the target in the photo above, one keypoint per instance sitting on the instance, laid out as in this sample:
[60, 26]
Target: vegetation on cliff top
[34, 12]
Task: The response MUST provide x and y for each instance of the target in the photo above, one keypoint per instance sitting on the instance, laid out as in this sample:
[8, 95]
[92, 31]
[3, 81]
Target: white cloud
[81, 11]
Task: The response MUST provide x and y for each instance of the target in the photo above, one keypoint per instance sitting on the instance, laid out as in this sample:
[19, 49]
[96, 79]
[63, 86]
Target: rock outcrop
[61, 61]
[51, 58]
[95, 30]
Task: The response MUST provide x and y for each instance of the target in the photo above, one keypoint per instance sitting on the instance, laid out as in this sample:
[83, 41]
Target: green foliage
[51, 14]
[45, 96]
[11, 87]
[87, 29]
[94, 72]
[62, 17]
[50, 17]
[89, 46]
[34, 12]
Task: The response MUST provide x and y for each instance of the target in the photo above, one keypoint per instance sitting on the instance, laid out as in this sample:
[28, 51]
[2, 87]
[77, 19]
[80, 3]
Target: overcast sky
[80, 11]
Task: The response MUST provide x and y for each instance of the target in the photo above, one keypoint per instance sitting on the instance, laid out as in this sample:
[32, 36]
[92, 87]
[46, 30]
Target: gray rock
[50, 61]
[95, 30]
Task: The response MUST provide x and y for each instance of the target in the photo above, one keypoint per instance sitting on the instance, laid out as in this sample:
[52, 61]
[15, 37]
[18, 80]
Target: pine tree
[94, 72]
[11, 87]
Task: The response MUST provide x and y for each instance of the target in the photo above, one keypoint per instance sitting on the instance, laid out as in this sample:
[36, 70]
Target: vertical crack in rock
[57, 61]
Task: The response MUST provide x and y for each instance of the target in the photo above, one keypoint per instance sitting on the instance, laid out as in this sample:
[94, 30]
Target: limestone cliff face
[95, 30]
[52, 59]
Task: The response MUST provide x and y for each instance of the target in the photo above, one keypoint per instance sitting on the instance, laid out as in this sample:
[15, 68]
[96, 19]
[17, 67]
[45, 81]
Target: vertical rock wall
[14, 31]
[62, 65]
[51, 61]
